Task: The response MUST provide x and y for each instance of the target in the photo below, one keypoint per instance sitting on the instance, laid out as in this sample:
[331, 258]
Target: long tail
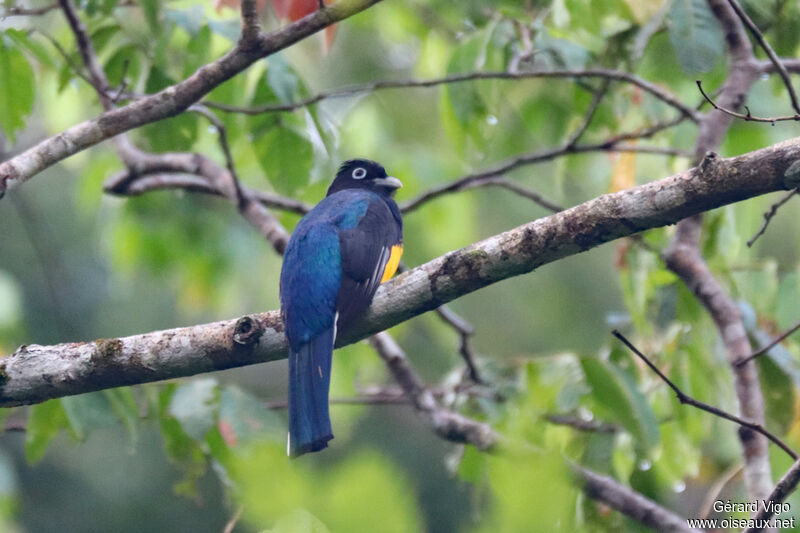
[309, 382]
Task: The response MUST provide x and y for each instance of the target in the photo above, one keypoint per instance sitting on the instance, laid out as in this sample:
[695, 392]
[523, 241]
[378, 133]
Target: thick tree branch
[773, 57]
[172, 100]
[35, 373]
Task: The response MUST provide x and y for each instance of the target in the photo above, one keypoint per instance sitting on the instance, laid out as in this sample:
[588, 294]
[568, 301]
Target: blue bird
[339, 253]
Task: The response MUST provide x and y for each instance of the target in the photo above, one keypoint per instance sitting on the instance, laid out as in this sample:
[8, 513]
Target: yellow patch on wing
[392, 263]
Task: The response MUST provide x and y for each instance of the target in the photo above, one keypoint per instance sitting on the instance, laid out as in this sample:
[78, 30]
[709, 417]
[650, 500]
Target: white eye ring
[360, 173]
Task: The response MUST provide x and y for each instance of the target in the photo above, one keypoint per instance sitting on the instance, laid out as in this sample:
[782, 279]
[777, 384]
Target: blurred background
[199, 453]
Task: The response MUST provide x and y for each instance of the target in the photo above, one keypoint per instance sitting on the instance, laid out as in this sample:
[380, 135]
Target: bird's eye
[360, 173]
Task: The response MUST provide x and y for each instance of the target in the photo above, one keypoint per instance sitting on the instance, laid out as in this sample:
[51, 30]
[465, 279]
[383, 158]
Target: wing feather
[366, 250]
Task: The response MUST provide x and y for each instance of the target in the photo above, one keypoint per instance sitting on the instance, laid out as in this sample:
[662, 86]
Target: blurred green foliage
[188, 455]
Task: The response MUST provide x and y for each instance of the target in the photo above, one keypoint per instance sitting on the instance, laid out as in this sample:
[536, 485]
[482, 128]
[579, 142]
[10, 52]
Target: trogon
[339, 253]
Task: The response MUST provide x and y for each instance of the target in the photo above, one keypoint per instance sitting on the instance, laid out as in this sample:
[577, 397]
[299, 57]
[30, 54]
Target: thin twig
[597, 99]
[580, 424]
[615, 75]
[770, 52]
[771, 212]
[761, 351]
[748, 116]
[782, 490]
[465, 331]
[686, 399]
[96, 75]
[63, 53]
[15, 11]
[241, 201]
[484, 177]
[157, 180]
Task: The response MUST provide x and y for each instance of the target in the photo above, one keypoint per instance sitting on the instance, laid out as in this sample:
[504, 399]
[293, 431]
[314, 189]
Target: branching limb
[16, 11]
[170, 101]
[147, 181]
[686, 399]
[770, 53]
[251, 28]
[447, 424]
[97, 76]
[748, 116]
[237, 194]
[684, 258]
[465, 331]
[605, 74]
[597, 99]
[218, 180]
[493, 176]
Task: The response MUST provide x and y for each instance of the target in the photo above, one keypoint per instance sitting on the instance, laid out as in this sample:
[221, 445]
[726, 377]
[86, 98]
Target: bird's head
[364, 174]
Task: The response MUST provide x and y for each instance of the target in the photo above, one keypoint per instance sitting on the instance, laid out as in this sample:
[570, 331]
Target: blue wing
[310, 280]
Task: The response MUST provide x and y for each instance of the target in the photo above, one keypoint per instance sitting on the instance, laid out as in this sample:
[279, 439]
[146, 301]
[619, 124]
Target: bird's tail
[309, 382]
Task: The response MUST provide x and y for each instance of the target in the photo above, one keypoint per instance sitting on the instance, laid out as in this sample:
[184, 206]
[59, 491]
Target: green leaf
[152, 12]
[243, 418]
[87, 412]
[180, 448]
[298, 521]
[225, 28]
[787, 311]
[124, 64]
[617, 395]
[464, 97]
[286, 157]
[176, 134]
[190, 19]
[198, 51]
[194, 405]
[44, 422]
[157, 80]
[104, 7]
[695, 35]
[10, 300]
[126, 408]
[778, 391]
[17, 88]
[33, 47]
[282, 78]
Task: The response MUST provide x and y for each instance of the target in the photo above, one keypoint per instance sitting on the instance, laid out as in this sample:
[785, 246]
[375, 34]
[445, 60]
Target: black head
[364, 174]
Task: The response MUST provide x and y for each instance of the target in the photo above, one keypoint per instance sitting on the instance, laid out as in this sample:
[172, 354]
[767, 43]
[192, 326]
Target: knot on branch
[10, 174]
[247, 331]
[709, 160]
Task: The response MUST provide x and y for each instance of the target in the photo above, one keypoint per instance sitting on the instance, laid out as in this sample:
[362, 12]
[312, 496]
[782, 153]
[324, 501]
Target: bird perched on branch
[339, 253]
